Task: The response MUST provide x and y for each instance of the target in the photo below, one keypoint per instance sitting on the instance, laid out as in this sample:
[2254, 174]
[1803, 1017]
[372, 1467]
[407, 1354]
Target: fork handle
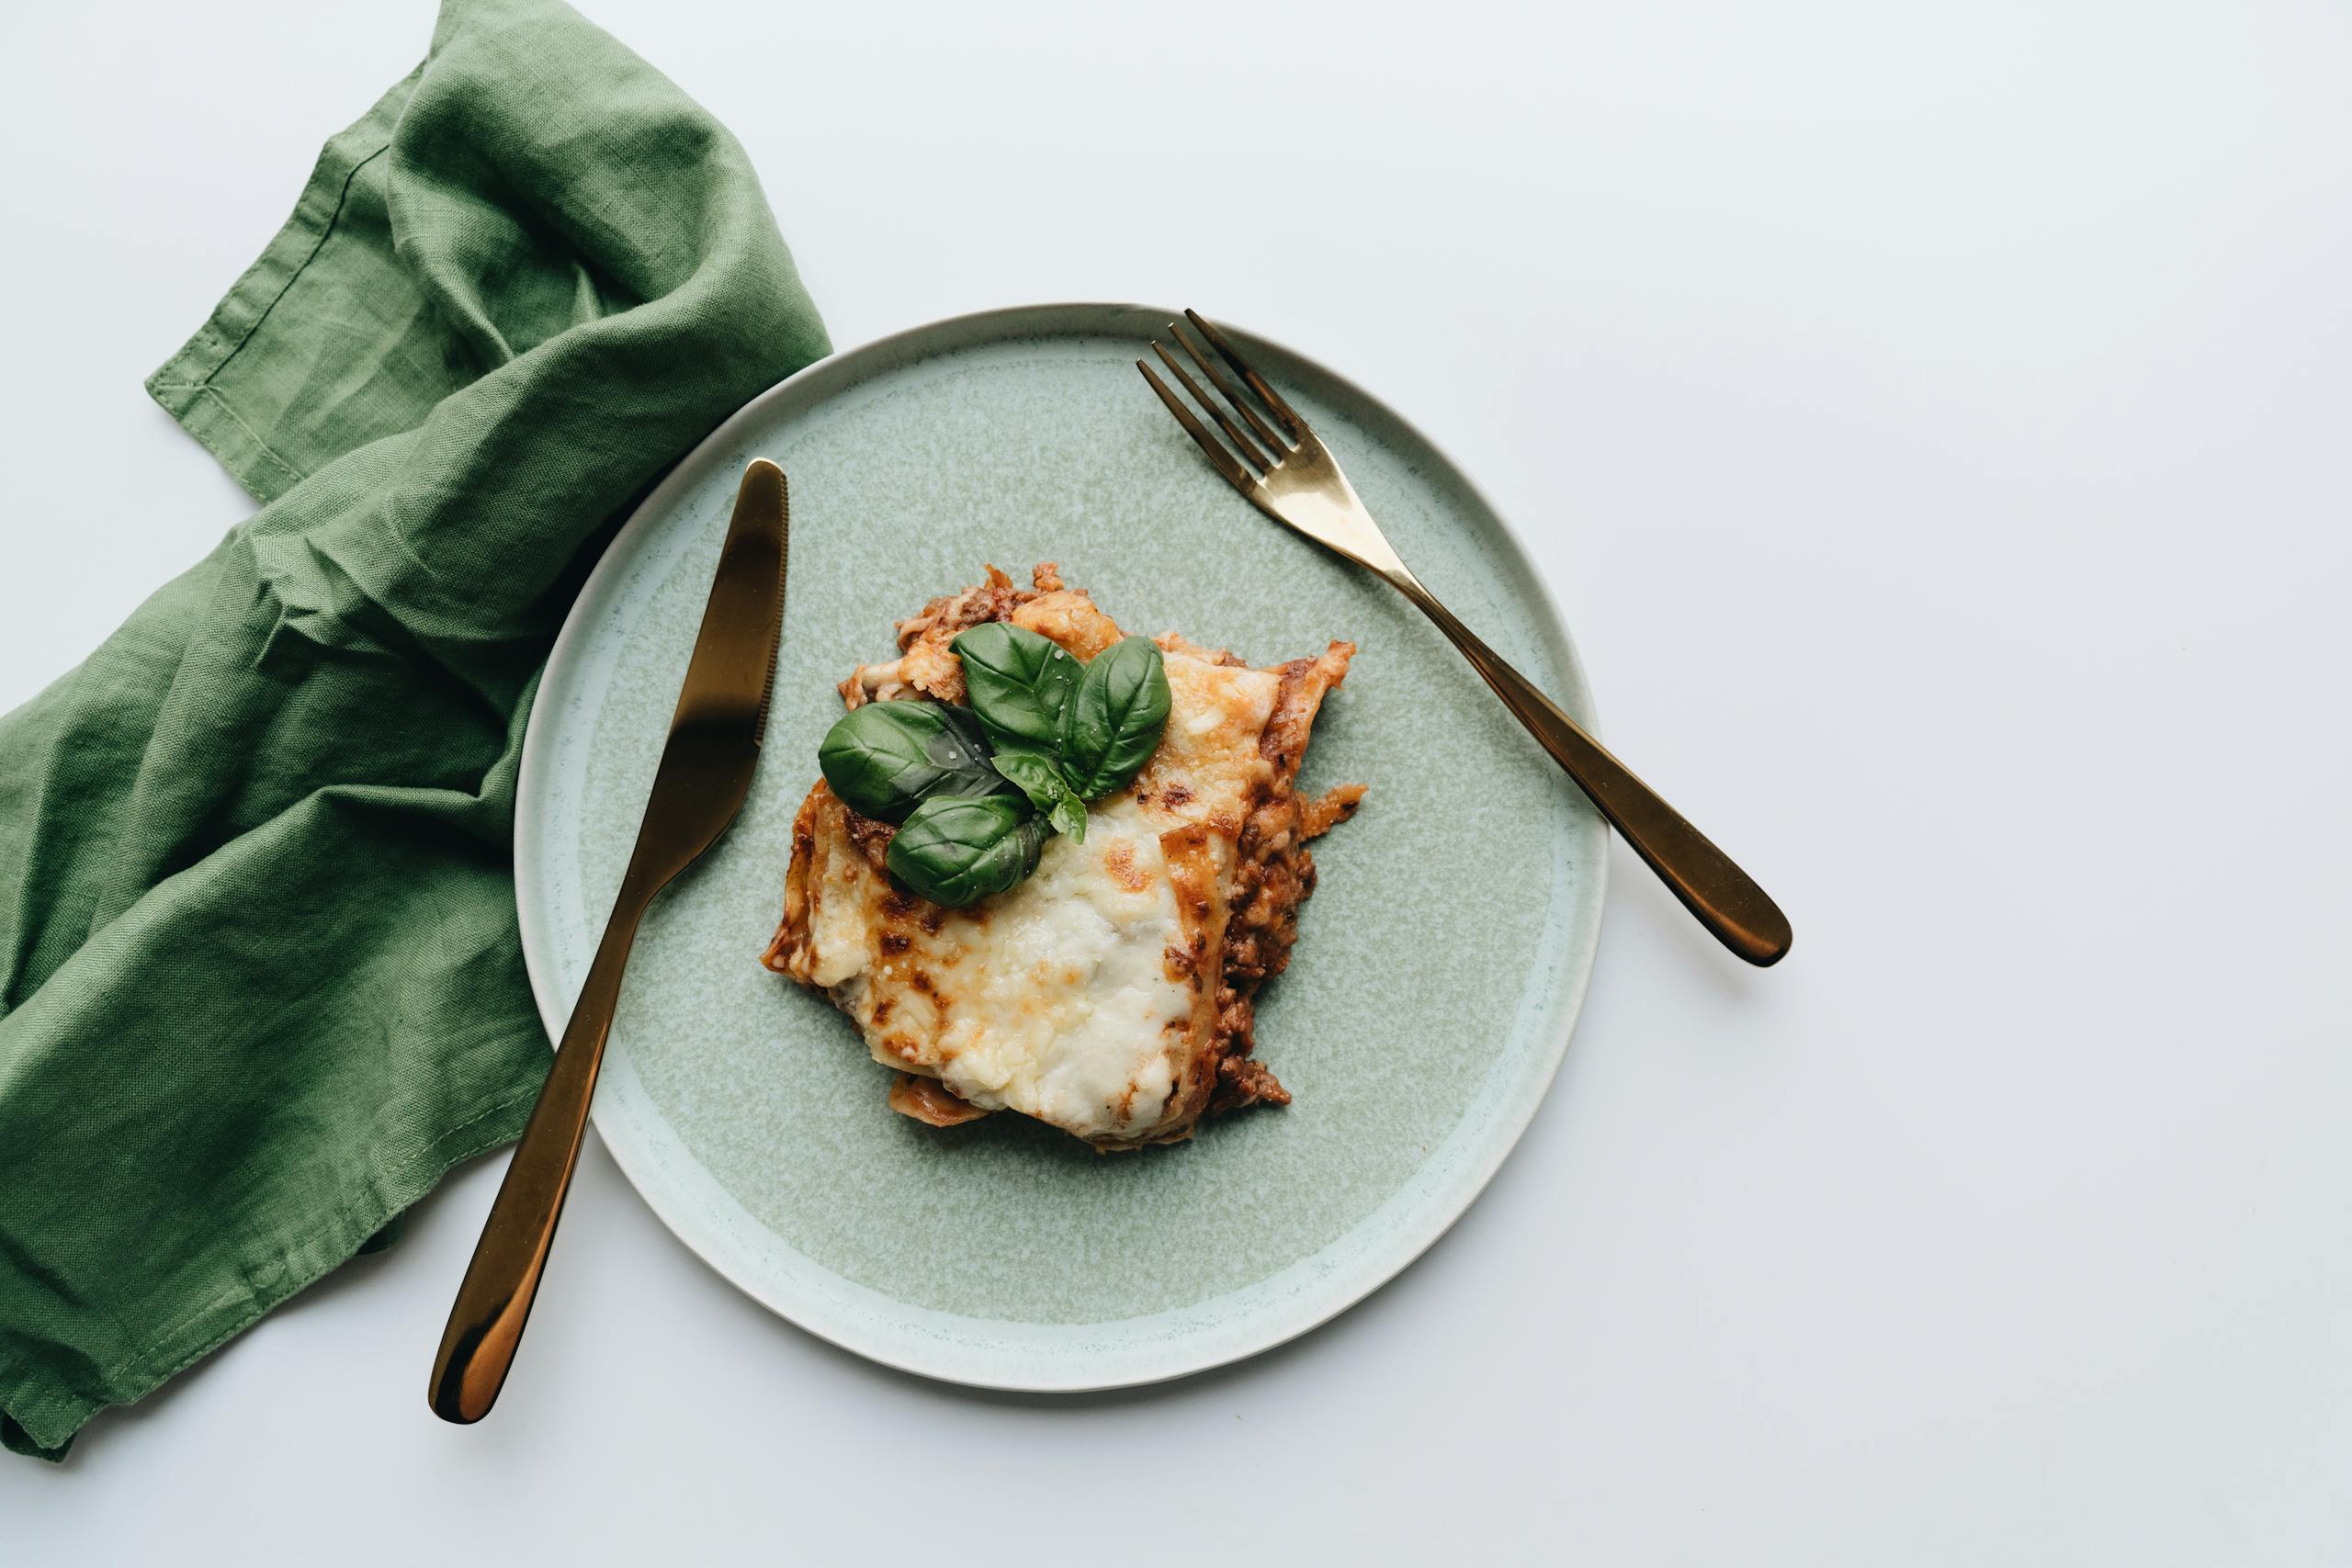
[494, 1302]
[1725, 898]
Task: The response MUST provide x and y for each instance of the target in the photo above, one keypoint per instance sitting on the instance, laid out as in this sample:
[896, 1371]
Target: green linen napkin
[259, 979]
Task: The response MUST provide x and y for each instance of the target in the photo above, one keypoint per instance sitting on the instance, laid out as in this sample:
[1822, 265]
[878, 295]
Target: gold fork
[1293, 479]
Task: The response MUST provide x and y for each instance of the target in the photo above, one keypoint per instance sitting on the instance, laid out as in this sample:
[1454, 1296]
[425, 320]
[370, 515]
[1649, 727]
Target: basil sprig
[885, 759]
[1044, 735]
[1095, 724]
[957, 849]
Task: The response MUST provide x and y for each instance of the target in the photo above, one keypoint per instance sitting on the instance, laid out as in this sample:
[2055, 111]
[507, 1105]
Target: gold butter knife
[1291, 478]
[704, 775]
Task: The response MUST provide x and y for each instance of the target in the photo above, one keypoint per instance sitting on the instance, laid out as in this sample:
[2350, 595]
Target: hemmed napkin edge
[183, 385]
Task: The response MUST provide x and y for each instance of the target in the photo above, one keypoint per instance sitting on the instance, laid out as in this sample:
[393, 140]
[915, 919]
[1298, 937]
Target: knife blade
[704, 776]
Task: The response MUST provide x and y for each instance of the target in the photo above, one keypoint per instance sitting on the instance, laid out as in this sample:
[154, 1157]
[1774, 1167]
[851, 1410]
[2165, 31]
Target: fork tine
[1261, 461]
[1233, 394]
[1226, 464]
[1282, 410]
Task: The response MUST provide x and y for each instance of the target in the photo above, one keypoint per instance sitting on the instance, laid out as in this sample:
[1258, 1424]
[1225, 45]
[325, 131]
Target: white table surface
[1936, 423]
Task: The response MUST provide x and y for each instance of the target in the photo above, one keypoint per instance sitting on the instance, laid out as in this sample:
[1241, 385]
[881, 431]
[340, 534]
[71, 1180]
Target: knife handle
[1726, 900]
[486, 1323]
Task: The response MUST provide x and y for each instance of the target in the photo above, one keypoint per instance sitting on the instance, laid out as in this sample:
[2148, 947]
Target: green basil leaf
[1018, 683]
[1041, 778]
[1113, 720]
[957, 850]
[885, 758]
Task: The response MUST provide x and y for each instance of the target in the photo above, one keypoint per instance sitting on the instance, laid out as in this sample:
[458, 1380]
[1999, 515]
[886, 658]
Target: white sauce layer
[1063, 997]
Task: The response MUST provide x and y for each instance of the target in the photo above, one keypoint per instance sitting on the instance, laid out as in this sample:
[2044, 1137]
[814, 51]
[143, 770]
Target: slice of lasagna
[1111, 993]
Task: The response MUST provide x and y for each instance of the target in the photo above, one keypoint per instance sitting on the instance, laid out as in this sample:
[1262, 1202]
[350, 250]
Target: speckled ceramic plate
[1438, 967]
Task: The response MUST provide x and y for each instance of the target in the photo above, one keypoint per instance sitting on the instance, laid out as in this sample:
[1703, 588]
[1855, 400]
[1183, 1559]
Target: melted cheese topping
[1070, 1017]
[1055, 999]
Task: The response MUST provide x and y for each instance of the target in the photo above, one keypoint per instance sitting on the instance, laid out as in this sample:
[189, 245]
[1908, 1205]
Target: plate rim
[1059, 318]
